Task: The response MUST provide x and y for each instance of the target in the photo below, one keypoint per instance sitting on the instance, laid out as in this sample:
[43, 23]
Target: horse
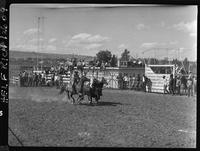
[73, 89]
[94, 92]
[183, 84]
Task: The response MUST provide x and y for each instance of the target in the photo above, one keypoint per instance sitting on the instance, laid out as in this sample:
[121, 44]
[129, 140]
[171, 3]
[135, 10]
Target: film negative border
[4, 75]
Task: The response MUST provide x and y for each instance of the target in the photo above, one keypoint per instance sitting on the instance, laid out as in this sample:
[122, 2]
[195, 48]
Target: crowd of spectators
[136, 82]
[50, 75]
[180, 85]
[175, 85]
[53, 75]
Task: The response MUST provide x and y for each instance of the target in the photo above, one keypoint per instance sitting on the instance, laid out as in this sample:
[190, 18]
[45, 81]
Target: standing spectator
[52, 69]
[144, 82]
[26, 78]
[39, 79]
[62, 70]
[102, 66]
[65, 68]
[67, 63]
[71, 66]
[165, 84]
[183, 84]
[131, 81]
[97, 63]
[83, 63]
[120, 80]
[43, 78]
[23, 78]
[138, 86]
[79, 63]
[195, 85]
[106, 64]
[174, 84]
[125, 79]
[178, 85]
[20, 79]
[171, 84]
[36, 79]
[29, 79]
[74, 62]
[149, 84]
[190, 84]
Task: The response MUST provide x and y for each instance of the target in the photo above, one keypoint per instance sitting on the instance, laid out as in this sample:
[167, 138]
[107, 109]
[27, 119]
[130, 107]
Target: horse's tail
[68, 94]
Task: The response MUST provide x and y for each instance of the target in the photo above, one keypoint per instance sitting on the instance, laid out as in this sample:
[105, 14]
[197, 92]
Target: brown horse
[76, 89]
[94, 92]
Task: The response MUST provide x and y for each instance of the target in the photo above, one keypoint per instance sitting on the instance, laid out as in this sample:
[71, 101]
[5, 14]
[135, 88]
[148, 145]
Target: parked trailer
[156, 72]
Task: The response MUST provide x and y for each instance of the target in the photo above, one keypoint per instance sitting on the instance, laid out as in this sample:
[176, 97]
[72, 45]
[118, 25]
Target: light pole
[38, 41]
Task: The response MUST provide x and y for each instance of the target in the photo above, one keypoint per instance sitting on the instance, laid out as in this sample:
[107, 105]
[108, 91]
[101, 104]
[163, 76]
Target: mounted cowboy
[76, 79]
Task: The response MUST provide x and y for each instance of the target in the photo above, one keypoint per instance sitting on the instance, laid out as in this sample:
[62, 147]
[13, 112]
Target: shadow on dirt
[102, 104]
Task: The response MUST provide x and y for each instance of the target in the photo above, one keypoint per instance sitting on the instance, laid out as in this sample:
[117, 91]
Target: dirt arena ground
[41, 117]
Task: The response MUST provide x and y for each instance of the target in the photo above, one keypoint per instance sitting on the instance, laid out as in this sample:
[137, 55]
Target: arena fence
[15, 81]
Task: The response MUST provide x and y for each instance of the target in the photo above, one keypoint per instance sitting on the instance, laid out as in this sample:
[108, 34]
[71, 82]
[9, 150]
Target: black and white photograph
[102, 75]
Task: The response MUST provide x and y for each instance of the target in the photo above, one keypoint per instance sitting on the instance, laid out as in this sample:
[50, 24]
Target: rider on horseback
[92, 80]
[75, 80]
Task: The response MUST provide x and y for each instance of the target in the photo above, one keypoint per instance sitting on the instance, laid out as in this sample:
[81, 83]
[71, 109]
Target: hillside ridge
[26, 54]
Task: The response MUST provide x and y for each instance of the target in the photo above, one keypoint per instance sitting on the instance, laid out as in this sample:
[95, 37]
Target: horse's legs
[61, 90]
[97, 100]
[80, 98]
[73, 100]
[90, 99]
[68, 94]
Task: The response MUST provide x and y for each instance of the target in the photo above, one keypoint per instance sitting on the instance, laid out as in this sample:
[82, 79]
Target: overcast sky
[86, 30]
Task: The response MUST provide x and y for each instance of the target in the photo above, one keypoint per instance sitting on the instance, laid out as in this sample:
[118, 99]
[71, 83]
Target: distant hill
[25, 55]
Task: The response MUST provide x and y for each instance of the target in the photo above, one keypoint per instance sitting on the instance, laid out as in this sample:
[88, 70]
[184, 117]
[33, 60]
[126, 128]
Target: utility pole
[40, 34]
[42, 42]
[38, 41]
[168, 55]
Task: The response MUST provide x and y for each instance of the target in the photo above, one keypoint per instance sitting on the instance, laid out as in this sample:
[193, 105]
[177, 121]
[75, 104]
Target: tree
[113, 61]
[104, 56]
[125, 56]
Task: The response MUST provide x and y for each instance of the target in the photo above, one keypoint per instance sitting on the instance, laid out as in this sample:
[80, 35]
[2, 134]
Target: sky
[145, 30]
